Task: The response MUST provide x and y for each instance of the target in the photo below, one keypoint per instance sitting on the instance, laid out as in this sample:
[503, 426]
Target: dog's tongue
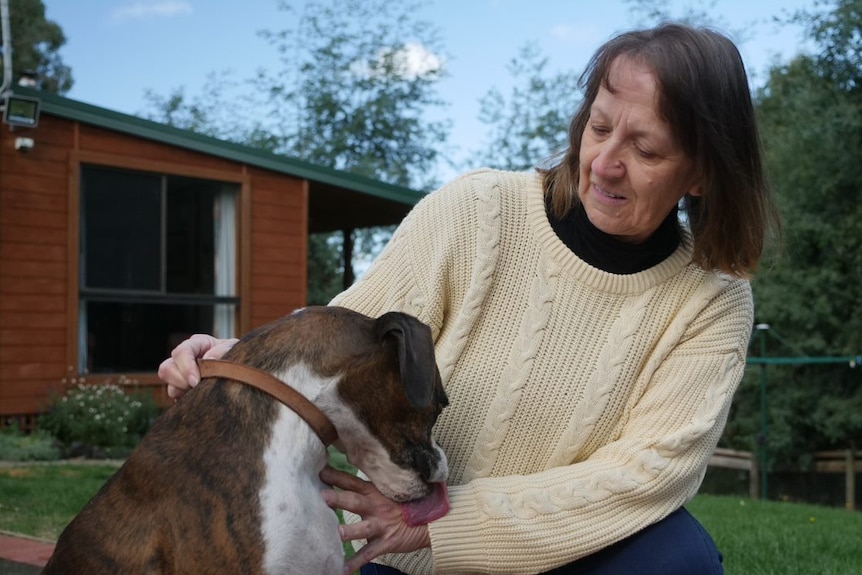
[425, 510]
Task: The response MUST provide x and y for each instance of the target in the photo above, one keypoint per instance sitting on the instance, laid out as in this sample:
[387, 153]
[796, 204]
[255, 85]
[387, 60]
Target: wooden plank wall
[39, 236]
[278, 228]
[34, 230]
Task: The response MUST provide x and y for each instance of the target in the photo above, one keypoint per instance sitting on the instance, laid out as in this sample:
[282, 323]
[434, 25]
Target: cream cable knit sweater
[584, 405]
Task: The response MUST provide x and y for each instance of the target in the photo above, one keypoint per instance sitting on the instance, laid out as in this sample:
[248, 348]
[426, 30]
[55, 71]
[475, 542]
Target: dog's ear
[415, 355]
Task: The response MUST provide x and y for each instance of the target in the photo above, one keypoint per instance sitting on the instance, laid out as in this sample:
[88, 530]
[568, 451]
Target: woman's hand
[180, 371]
[381, 523]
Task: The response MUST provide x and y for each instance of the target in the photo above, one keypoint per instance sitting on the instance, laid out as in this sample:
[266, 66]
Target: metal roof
[337, 199]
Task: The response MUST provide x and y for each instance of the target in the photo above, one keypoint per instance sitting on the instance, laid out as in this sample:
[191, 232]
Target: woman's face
[632, 171]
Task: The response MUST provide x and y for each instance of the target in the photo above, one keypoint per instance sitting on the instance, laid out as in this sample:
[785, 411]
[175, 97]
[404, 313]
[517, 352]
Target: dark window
[158, 259]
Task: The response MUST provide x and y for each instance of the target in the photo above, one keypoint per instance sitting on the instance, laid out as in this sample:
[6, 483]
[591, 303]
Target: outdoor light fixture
[20, 111]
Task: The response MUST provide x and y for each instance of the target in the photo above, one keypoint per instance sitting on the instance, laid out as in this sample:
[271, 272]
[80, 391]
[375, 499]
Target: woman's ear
[695, 189]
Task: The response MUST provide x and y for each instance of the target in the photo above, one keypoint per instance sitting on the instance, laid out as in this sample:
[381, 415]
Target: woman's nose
[608, 163]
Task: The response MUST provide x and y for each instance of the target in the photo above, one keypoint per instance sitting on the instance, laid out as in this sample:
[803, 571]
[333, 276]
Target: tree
[357, 78]
[653, 12]
[35, 46]
[834, 26]
[325, 266]
[811, 116]
[222, 110]
[356, 85]
[531, 125]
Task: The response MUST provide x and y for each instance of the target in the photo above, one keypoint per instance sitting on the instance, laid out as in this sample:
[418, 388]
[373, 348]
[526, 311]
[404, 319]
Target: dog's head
[397, 411]
[377, 382]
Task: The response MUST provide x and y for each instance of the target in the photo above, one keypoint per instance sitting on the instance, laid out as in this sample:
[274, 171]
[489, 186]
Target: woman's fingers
[346, 481]
[355, 495]
[170, 374]
[348, 500]
[180, 371]
[219, 349]
[381, 525]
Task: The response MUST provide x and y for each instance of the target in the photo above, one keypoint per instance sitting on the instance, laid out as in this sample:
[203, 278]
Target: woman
[590, 343]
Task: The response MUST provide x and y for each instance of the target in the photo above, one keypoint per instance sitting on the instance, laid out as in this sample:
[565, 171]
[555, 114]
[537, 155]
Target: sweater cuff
[454, 536]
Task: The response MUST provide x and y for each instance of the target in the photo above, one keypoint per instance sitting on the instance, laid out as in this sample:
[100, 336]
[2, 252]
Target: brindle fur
[187, 497]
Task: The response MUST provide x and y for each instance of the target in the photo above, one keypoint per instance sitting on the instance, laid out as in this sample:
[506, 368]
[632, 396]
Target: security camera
[24, 144]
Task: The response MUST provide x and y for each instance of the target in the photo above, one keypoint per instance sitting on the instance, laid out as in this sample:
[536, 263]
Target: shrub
[100, 420]
[18, 446]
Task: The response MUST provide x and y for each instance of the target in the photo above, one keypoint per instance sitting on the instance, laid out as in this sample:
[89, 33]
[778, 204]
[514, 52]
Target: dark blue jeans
[676, 545]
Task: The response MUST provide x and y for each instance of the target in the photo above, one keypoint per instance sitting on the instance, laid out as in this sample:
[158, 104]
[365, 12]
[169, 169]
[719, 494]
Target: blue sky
[118, 49]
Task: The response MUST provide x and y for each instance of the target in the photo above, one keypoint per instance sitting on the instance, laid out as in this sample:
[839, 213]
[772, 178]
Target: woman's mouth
[603, 193]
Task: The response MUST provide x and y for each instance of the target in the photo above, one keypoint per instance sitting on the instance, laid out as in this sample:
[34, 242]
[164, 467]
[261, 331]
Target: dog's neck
[298, 397]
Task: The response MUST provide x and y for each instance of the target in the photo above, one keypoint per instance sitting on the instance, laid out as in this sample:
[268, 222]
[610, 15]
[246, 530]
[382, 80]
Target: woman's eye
[599, 130]
[644, 153]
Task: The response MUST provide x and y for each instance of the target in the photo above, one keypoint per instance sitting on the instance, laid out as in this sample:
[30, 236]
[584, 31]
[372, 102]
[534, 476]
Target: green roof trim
[93, 115]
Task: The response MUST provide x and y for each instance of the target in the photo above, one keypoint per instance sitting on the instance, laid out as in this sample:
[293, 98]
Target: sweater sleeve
[654, 464]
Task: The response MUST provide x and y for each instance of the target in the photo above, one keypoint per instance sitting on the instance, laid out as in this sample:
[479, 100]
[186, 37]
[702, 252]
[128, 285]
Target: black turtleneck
[610, 254]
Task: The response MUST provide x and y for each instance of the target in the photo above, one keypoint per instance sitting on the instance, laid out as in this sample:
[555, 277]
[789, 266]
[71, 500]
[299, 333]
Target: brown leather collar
[274, 387]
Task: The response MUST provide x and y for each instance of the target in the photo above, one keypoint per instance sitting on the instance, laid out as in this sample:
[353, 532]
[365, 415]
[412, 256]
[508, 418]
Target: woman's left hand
[382, 525]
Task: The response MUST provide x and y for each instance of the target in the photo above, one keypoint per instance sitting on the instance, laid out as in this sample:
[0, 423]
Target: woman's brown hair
[704, 97]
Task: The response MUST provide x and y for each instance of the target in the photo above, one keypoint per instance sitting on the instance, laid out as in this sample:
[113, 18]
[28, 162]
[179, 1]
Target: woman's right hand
[180, 371]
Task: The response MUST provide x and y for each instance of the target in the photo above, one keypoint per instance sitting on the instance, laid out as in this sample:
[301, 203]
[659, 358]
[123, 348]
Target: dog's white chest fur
[300, 531]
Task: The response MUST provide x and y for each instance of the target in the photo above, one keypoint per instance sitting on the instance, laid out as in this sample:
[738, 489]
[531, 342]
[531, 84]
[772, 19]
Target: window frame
[81, 159]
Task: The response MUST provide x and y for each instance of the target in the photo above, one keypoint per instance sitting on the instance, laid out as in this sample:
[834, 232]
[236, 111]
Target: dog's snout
[429, 462]
[440, 471]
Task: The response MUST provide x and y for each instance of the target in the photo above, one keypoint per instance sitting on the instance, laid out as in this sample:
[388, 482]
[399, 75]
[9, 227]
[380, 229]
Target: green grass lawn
[773, 538]
[39, 500]
[756, 538]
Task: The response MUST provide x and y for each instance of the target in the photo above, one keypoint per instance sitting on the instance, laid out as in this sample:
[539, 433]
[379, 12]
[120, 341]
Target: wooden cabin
[120, 237]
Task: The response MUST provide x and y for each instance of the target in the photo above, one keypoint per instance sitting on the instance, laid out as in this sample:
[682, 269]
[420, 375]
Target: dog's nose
[430, 463]
[441, 470]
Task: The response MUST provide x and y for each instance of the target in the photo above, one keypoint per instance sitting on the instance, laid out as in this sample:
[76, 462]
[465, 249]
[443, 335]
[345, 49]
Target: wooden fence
[847, 461]
[742, 460]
